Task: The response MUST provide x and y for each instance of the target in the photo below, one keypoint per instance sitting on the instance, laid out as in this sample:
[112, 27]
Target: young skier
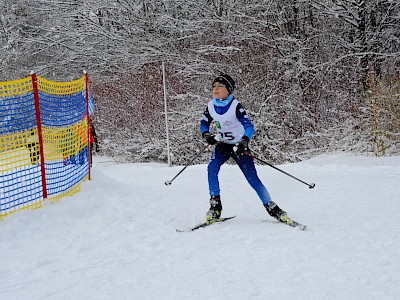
[93, 141]
[234, 130]
[33, 146]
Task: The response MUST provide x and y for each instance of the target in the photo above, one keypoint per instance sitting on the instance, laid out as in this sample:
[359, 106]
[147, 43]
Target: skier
[33, 147]
[234, 130]
[93, 141]
[80, 144]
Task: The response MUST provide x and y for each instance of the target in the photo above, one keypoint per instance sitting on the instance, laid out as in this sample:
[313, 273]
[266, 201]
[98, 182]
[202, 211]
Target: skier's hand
[243, 146]
[97, 148]
[210, 139]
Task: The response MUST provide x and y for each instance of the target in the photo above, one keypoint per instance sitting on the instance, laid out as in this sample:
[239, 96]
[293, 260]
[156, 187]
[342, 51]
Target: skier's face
[220, 91]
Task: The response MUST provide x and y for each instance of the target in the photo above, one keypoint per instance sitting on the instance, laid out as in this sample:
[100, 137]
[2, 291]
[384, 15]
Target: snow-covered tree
[301, 67]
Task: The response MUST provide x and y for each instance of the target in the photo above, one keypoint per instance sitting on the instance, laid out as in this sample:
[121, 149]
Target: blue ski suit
[235, 124]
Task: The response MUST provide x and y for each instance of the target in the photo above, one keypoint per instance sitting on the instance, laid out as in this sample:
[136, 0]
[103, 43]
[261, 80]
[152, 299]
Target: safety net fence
[44, 141]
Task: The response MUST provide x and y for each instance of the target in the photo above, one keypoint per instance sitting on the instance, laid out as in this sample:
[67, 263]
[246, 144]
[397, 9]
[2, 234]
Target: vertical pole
[87, 121]
[166, 114]
[39, 128]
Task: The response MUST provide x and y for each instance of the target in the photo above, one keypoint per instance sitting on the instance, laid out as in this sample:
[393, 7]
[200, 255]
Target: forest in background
[315, 76]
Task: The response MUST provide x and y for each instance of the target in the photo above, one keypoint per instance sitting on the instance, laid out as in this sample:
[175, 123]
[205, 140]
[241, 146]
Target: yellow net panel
[16, 87]
[64, 136]
[61, 88]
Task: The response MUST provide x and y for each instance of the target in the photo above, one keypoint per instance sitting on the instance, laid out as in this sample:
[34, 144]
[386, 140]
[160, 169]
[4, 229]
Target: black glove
[210, 139]
[243, 146]
[97, 148]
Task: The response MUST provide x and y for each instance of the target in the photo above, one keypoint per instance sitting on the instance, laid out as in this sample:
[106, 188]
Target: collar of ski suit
[222, 103]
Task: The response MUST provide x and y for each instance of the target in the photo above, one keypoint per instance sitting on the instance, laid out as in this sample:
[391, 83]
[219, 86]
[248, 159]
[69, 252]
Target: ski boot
[274, 211]
[215, 208]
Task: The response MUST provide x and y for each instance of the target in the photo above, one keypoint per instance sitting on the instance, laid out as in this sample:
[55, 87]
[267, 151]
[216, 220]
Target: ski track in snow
[116, 239]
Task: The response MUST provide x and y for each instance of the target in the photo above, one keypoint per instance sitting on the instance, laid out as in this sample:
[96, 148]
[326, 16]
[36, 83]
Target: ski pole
[169, 182]
[310, 185]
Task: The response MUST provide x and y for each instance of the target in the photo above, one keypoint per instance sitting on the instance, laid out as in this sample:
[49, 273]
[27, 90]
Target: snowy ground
[116, 239]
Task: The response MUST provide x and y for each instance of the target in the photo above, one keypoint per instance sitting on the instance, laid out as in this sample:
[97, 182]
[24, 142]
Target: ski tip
[302, 227]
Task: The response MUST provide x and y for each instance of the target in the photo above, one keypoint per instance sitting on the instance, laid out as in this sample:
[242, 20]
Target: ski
[205, 224]
[293, 223]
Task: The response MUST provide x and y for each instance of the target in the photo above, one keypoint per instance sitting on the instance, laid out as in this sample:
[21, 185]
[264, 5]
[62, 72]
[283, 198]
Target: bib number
[227, 136]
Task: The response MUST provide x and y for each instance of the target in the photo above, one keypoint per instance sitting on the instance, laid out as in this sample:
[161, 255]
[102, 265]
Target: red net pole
[39, 128]
[88, 123]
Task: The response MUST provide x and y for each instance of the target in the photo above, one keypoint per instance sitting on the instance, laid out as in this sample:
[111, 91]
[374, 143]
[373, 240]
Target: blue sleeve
[205, 121]
[242, 116]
